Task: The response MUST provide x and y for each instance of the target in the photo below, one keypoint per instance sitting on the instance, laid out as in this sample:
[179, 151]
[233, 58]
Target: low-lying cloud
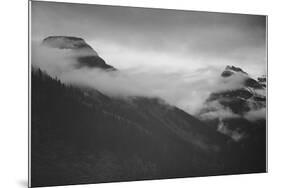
[186, 89]
[255, 115]
[217, 111]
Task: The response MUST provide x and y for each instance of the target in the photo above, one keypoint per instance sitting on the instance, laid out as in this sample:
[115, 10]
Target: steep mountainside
[240, 113]
[245, 105]
[80, 135]
[86, 55]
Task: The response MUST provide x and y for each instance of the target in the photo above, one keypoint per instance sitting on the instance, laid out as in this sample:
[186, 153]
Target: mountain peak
[67, 42]
[85, 54]
[262, 80]
[230, 70]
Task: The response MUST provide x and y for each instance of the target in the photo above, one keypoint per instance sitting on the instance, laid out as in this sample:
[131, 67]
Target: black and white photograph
[120, 93]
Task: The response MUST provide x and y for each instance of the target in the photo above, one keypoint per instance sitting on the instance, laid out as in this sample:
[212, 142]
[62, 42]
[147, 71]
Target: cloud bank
[186, 89]
[255, 115]
[174, 55]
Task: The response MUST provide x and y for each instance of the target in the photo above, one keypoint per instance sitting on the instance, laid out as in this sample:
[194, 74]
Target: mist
[255, 115]
[174, 55]
[186, 89]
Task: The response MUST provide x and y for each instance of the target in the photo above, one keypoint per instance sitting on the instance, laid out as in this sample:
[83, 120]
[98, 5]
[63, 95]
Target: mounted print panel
[125, 93]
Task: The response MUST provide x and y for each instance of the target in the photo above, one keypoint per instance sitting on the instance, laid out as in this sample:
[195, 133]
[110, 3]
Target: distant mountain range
[81, 135]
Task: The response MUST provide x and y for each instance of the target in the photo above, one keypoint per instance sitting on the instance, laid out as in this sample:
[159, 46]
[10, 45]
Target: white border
[14, 84]
[71, 1]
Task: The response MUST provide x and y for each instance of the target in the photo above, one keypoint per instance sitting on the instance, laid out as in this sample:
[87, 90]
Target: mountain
[262, 80]
[240, 113]
[230, 70]
[68, 42]
[81, 135]
[85, 54]
[84, 136]
[241, 103]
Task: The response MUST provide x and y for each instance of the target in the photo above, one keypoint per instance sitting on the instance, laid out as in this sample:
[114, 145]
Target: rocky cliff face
[234, 111]
[230, 70]
[67, 42]
[86, 56]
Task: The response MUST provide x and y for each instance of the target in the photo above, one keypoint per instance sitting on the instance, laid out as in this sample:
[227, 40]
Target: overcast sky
[172, 54]
[129, 37]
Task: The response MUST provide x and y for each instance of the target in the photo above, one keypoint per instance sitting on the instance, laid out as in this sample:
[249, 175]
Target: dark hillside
[80, 135]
